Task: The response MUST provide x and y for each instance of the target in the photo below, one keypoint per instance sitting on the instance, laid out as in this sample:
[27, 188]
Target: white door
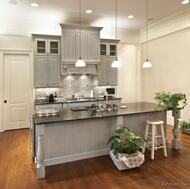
[16, 91]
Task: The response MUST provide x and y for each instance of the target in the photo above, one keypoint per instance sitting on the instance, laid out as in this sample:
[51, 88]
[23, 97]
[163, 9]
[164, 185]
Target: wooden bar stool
[152, 137]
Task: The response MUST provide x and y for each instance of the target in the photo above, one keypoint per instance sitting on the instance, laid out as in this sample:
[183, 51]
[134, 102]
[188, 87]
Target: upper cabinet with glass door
[47, 45]
[108, 48]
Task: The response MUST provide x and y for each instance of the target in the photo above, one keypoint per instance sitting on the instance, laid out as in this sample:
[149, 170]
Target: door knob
[5, 101]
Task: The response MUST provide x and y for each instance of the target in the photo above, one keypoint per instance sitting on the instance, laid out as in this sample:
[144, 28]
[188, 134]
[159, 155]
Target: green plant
[125, 141]
[168, 101]
[184, 124]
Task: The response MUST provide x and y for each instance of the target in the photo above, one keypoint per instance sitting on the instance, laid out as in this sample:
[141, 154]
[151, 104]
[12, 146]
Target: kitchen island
[73, 135]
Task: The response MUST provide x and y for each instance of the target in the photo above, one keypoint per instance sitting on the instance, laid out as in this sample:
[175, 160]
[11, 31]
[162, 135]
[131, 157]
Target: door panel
[41, 70]
[16, 91]
[54, 71]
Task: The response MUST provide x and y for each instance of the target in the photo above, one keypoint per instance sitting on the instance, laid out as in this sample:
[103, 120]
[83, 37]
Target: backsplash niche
[73, 86]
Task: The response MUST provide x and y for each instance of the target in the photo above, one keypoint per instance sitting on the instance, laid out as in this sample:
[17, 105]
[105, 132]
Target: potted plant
[175, 102]
[125, 151]
[185, 126]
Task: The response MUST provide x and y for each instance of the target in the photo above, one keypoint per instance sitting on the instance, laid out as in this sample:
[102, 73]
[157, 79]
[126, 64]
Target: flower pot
[185, 131]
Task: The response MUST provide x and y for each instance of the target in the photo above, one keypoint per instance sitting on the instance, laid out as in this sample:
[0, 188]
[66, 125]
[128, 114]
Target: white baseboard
[75, 157]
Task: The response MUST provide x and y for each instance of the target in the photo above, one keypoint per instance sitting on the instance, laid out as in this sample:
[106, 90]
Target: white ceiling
[103, 15]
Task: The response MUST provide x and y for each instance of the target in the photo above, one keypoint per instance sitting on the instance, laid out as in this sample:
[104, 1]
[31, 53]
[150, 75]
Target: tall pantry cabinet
[108, 54]
[46, 61]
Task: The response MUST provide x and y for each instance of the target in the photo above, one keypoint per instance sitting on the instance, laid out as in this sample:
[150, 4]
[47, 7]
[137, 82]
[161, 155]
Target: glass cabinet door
[54, 47]
[103, 49]
[112, 51]
[41, 47]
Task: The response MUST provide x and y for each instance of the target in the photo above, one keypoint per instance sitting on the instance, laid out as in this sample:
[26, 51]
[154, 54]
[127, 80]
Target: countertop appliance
[111, 91]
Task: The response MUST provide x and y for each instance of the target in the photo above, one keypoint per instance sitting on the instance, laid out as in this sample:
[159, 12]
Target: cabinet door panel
[93, 46]
[54, 71]
[108, 75]
[41, 70]
[68, 45]
[102, 78]
[81, 45]
[112, 72]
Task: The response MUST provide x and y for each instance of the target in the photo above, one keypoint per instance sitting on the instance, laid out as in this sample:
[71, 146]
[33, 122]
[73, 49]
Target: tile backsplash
[73, 85]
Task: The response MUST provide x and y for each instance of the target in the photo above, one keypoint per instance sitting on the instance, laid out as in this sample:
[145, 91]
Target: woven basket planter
[124, 161]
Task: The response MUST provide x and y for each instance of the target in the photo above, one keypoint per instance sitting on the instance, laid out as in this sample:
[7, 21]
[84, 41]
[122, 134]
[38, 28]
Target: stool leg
[153, 142]
[163, 140]
[146, 136]
[156, 139]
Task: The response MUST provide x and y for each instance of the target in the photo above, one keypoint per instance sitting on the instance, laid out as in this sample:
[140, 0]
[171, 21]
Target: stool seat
[155, 121]
[153, 136]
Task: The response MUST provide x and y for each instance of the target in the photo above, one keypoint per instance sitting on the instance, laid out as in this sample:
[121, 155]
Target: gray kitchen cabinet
[47, 71]
[45, 45]
[76, 42]
[46, 61]
[108, 52]
[107, 75]
[108, 47]
[68, 45]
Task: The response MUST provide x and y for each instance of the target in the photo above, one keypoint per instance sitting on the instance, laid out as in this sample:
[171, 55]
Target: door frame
[2, 76]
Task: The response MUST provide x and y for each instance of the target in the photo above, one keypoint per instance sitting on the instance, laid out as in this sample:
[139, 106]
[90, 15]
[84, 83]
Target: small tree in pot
[175, 102]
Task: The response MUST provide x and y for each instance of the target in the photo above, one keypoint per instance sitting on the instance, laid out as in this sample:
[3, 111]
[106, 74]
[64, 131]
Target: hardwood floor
[17, 169]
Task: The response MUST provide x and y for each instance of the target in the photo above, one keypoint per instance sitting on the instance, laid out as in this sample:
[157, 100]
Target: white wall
[128, 73]
[170, 56]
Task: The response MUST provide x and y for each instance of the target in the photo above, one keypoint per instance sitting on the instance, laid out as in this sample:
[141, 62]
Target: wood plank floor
[17, 169]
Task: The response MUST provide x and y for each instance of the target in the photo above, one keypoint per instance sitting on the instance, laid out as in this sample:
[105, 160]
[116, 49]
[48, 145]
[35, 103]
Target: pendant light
[80, 62]
[116, 63]
[147, 64]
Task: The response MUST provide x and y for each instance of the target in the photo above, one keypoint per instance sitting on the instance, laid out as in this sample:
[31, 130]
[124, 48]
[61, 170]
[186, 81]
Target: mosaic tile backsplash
[73, 85]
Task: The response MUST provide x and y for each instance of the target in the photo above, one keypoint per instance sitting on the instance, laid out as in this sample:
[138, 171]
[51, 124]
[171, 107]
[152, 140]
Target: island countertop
[66, 114]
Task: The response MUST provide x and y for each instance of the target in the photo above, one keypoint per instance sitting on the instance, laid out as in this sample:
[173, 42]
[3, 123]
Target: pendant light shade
[80, 62]
[147, 64]
[116, 63]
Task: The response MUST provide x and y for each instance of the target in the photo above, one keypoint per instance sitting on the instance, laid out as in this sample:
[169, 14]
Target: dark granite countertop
[66, 114]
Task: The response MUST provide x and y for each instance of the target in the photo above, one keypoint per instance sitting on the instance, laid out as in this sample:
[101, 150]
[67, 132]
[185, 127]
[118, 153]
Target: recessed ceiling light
[13, 2]
[185, 1]
[88, 11]
[34, 4]
[130, 16]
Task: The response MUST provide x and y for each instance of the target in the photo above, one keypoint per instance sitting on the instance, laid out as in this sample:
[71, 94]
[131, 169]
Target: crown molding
[166, 26]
